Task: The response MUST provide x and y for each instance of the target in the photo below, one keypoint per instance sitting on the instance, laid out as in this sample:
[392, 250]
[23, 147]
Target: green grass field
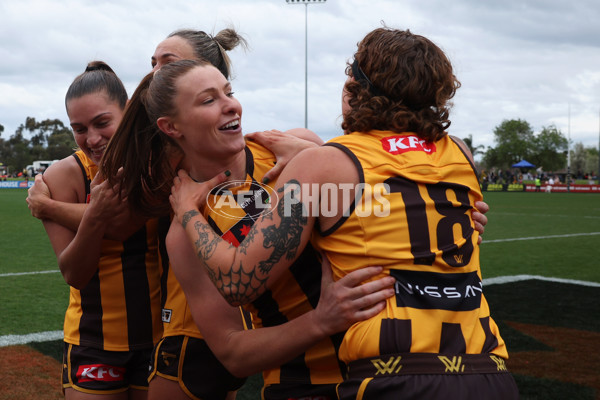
[554, 235]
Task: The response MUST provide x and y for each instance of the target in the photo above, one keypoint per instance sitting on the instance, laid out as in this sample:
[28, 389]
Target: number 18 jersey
[414, 219]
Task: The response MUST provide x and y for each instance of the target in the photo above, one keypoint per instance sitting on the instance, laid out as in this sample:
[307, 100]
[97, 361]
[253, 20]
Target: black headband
[361, 78]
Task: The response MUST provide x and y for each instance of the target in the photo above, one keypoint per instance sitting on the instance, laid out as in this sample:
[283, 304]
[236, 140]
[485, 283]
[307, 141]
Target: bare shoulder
[305, 134]
[65, 181]
[325, 164]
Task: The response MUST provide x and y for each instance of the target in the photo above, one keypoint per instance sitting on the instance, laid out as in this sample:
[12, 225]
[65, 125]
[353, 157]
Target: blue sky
[534, 60]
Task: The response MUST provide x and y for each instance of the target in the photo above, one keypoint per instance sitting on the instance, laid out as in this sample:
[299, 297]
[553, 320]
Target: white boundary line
[517, 278]
[540, 237]
[28, 273]
[11, 340]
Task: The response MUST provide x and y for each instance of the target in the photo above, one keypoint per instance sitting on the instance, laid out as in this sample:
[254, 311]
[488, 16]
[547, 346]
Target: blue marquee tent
[523, 164]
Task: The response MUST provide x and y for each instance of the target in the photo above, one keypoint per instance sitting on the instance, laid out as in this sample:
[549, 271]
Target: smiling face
[171, 49]
[208, 120]
[94, 119]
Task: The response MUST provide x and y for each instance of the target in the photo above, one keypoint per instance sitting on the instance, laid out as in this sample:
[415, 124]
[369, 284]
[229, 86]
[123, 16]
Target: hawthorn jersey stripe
[491, 341]
[137, 292]
[90, 295]
[395, 334]
[307, 270]
[163, 258]
[452, 340]
[119, 308]
[91, 314]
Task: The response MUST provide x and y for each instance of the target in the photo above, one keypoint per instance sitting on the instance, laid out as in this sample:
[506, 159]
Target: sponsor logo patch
[403, 144]
[99, 372]
[431, 290]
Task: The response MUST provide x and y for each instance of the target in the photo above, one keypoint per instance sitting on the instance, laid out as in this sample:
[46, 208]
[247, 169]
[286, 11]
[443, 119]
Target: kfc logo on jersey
[100, 372]
[403, 144]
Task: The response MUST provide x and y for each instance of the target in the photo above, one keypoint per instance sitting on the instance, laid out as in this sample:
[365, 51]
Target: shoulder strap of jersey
[357, 194]
[86, 181]
[466, 156]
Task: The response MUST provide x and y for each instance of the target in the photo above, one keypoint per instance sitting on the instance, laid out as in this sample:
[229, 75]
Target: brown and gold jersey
[119, 309]
[297, 291]
[414, 219]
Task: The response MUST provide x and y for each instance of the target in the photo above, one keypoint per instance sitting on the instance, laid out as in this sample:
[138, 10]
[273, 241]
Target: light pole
[569, 152]
[306, 3]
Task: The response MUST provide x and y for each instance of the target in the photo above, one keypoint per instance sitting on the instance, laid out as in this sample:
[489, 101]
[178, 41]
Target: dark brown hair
[403, 83]
[97, 77]
[147, 155]
[213, 49]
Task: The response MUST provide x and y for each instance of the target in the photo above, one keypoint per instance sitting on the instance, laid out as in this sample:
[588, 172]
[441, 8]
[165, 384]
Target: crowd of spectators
[499, 176]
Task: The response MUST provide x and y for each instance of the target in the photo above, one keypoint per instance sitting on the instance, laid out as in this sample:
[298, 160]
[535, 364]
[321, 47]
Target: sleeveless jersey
[418, 227]
[119, 308]
[296, 292]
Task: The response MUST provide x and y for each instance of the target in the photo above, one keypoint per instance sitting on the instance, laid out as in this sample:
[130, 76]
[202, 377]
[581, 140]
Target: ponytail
[145, 154]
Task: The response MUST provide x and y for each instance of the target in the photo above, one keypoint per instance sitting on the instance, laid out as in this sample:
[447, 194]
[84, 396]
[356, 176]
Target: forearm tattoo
[286, 238]
[207, 240]
[188, 216]
[242, 284]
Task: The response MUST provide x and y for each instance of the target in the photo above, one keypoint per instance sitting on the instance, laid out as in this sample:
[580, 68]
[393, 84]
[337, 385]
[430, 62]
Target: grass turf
[533, 315]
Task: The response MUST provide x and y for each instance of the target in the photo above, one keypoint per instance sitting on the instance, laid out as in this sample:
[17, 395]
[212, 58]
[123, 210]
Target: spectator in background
[549, 184]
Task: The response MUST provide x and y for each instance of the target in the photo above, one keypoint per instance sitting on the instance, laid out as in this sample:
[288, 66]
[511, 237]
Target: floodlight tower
[306, 3]
[569, 153]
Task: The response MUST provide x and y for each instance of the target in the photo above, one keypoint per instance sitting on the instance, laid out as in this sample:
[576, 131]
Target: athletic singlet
[119, 308]
[422, 234]
[296, 292]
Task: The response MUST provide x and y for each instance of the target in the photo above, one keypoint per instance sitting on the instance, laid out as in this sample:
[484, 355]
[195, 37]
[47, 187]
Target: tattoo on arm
[207, 240]
[242, 284]
[286, 238]
[243, 247]
[237, 286]
[188, 216]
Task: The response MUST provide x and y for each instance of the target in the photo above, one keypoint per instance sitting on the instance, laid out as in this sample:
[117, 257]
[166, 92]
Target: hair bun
[98, 66]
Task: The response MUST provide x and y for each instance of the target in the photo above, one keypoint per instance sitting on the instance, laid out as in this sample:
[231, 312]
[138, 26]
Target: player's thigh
[161, 388]
[72, 394]
[138, 394]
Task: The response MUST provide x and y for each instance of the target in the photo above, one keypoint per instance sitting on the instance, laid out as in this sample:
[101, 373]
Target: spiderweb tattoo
[242, 284]
[238, 286]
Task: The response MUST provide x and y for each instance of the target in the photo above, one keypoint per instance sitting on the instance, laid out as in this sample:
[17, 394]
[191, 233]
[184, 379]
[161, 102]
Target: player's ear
[168, 126]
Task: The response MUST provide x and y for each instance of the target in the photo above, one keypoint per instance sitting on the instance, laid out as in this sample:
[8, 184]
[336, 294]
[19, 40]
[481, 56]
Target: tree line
[514, 140]
[34, 140]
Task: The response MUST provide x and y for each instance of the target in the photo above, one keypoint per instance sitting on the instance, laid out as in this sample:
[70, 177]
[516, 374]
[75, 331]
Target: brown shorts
[96, 371]
[429, 376]
[190, 362]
